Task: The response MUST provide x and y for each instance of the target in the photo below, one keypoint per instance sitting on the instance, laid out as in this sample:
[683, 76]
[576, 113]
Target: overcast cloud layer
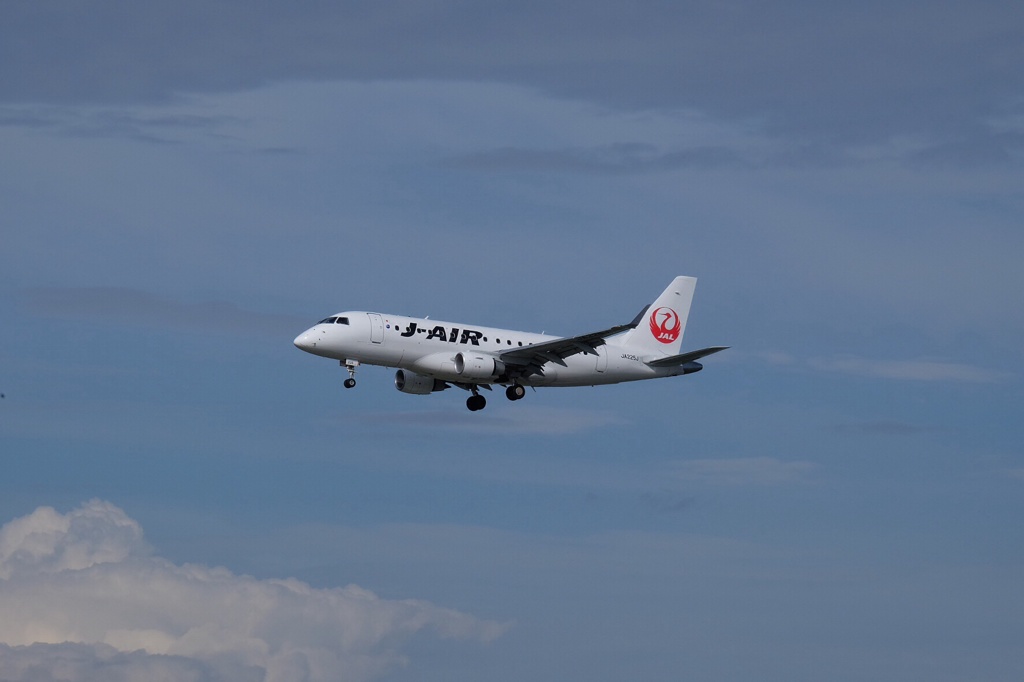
[868, 70]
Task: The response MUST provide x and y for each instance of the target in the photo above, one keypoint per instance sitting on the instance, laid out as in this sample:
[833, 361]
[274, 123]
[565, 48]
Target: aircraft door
[376, 328]
[602, 358]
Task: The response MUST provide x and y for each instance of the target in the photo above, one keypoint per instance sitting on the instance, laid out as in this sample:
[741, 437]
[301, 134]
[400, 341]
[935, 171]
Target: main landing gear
[476, 402]
[350, 365]
[515, 392]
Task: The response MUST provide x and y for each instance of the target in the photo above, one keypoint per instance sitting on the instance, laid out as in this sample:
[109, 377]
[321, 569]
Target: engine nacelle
[417, 384]
[478, 366]
[692, 367]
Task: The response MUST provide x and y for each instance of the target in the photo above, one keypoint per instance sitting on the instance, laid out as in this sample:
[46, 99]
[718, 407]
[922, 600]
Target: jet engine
[418, 384]
[478, 366]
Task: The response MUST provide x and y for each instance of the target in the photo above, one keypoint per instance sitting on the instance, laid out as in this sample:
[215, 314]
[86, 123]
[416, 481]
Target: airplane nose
[304, 341]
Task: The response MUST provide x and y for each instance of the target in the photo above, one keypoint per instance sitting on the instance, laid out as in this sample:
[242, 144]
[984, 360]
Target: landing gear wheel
[476, 402]
[515, 392]
[349, 383]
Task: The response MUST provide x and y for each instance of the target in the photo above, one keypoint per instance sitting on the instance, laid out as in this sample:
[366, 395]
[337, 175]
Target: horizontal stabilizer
[693, 355]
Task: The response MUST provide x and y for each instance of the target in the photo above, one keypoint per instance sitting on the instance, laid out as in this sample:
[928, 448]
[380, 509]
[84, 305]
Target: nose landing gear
[350, 365]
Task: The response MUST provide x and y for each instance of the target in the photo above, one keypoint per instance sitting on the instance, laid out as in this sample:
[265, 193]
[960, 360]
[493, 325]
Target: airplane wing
[531, 359]
[693, 355]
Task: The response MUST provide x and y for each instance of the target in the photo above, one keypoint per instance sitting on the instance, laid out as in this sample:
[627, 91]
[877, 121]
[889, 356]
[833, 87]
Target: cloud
[522, 421]
[881, 428]
[49, 542]
[106, 123]
[667, 502]
[84, 598]
[810, 70]
[70, 661]
[777, 358]
[609, 159]
[979, 149]
[909, 370]
[1016, 473]
[744, 471]
[140, 307]
[875, 368]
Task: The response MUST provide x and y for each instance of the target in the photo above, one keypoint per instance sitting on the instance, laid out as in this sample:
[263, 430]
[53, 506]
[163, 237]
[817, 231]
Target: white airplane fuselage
[432, 355]
[433, 344]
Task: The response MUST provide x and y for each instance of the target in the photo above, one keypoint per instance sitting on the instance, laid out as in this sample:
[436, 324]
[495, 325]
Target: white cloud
[526, 421]
[73, 661]
[1015, 473]
[774, 357]
[913, 370]
[82, 596]
[745, 471]
[49, 542]
[922, 369]
[140, 307]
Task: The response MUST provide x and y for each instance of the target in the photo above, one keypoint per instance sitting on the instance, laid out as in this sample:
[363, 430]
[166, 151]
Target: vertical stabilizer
[660, 329]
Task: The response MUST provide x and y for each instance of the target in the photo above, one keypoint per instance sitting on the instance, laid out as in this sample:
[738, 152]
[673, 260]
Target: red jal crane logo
[665, 325]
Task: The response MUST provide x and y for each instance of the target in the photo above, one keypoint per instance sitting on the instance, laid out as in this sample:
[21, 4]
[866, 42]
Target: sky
[185, 187]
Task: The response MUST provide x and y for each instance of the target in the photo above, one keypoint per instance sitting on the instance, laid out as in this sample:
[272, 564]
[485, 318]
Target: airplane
[432, 356]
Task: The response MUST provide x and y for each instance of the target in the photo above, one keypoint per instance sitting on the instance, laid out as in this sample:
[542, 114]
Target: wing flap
[533, 358]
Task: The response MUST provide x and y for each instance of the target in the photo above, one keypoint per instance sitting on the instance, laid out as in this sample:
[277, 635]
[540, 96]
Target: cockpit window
[327, 320]
[342, 320]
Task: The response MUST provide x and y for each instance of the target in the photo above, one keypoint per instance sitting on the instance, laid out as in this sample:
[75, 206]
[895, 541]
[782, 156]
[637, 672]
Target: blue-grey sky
[184, 188]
